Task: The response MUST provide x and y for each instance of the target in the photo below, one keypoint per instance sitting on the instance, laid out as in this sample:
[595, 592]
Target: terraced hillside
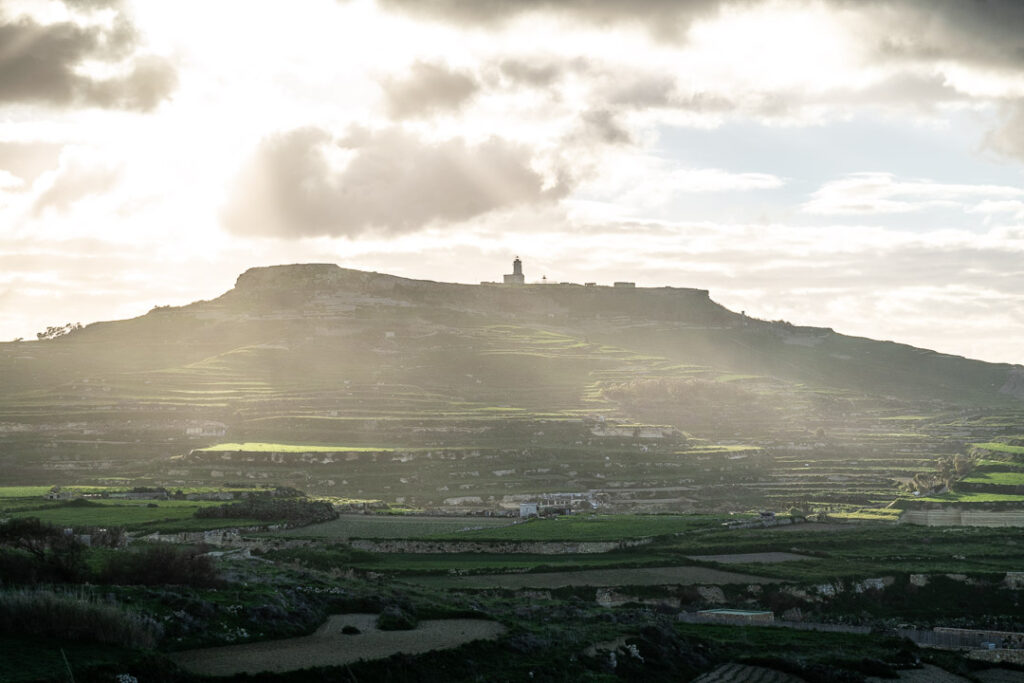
[433, 394]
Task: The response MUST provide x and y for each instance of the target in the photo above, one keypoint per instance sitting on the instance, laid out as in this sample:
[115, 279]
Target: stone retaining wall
[964, 517]
[502, 547]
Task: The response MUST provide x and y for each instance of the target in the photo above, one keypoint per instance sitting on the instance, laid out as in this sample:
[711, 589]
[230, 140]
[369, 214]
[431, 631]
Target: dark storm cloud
[427, 89]
[38, 65]
[989, 32]
[392, 181]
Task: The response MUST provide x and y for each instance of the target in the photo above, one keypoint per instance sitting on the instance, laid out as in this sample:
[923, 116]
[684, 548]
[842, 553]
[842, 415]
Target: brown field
[330, 647]
[742, 673]
[744, 558]
[929, 674]
[646, 576]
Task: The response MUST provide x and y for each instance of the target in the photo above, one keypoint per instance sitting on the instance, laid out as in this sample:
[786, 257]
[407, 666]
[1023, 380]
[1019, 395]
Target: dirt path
[330, 647]
[646, 576]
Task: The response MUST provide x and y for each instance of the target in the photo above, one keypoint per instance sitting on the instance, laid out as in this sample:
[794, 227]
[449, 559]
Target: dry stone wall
[531, 547]
[962, 517]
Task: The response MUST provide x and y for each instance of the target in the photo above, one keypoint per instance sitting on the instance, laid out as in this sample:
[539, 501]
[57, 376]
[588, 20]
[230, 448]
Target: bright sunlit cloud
[150, 152]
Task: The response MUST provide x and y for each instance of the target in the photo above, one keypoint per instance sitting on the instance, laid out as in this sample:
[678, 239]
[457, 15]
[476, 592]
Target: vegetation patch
[76, 617]
[259, 447]
[331, 646]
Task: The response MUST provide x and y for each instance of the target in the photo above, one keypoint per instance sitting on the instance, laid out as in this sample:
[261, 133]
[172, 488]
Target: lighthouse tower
[516, 276]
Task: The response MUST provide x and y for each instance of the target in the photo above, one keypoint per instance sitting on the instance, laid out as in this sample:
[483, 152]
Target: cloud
[77, 178]
[532, 73]
[43, 64]
[989, 32]
[9, 181]
[28, 159]
[663, 17]
[634, 183]
[882, 193]
[1007, 138]
[305, 182]
[428, 89]
[602, 124]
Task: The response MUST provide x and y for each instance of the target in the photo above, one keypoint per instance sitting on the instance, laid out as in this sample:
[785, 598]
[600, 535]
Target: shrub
[160, 565]
[394, 618]
[76, 617]
[266, 509]
[55, 555]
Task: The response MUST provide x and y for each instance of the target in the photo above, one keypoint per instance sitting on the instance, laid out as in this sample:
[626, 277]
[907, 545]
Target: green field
[165, 515]
[23, 491]
[259, 447]
[1012, 478]
[972, 497]
[1000, 447]
[597, 528]
[394, 526]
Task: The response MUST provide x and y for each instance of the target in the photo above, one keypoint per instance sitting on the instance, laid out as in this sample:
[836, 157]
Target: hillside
[433, 392]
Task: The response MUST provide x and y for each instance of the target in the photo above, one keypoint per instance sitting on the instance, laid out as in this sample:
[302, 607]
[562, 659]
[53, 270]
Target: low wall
[963, 517]
[502, 547]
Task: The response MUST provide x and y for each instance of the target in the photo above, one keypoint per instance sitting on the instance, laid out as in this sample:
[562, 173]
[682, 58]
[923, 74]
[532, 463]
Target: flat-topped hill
[449, 392]
[323, 284]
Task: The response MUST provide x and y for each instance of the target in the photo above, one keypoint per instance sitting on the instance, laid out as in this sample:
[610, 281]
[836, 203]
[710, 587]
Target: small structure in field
[57, 493]
[206, 428]
[528, 510]
[737, 616]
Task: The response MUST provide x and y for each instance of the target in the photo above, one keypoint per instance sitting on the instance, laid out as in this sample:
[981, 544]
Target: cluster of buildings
[516, 277]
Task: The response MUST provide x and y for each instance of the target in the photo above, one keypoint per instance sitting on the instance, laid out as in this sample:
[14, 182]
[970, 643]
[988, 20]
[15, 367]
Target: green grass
[27, 660]
[876, 514]
[595, 528]
[1015, 478]
[495, 562]
[171, 515]
[971, 497]
[393, 526]
[999, 465]
[23, 491]
[1000, 447]
[259, 447]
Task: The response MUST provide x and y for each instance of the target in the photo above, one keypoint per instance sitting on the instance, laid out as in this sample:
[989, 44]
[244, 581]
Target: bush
[394, 618]
[76, 617]
[55, 555]
[266, 509]
[160, 565]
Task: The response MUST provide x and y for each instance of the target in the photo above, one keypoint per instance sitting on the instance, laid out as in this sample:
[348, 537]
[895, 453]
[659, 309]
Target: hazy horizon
[848, 165]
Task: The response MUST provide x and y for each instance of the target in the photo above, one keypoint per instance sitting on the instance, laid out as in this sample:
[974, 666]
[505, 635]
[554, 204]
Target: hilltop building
[516, 276]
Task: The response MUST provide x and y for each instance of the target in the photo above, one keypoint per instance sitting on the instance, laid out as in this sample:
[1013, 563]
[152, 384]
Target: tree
[56, 553]
[55, 331]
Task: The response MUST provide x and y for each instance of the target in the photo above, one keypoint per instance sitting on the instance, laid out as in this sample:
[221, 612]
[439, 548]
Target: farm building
[206, 428]
[527, 510]
[57, 493]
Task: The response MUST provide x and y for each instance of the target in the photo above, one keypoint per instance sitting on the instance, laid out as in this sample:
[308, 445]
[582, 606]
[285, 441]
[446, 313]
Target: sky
[850, 164]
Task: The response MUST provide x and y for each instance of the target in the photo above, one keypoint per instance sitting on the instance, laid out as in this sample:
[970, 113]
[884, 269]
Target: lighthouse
[516, 276]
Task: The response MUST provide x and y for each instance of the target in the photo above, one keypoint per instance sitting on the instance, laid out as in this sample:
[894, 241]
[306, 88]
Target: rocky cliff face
[292, 285]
